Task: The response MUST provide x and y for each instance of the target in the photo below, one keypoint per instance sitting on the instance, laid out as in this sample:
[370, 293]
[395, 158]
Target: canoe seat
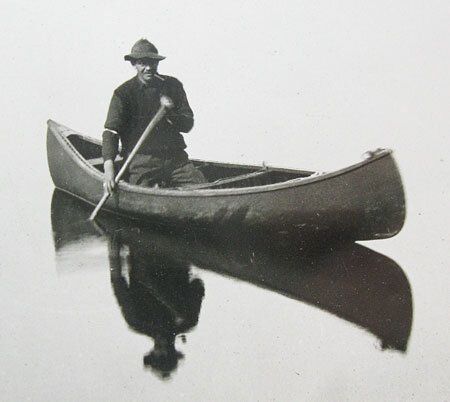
[228, 180]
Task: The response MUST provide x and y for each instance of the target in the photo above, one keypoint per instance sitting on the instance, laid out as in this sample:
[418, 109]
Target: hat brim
[137, 56]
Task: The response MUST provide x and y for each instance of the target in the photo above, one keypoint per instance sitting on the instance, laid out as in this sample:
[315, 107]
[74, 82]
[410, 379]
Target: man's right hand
[109, 182]
[166, 102]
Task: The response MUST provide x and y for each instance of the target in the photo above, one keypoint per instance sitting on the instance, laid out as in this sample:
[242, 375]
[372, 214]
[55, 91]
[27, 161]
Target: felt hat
[143, 49]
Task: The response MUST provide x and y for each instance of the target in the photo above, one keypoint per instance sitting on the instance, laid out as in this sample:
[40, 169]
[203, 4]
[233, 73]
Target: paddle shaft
[158, 116]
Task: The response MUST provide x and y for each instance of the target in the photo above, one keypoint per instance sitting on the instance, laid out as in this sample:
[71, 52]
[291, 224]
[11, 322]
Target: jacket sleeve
[182, 116]
[113, 126]
[110, 145]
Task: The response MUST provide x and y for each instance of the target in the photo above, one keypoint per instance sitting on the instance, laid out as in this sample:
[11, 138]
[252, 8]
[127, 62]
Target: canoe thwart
[228, 180]
[99, 161]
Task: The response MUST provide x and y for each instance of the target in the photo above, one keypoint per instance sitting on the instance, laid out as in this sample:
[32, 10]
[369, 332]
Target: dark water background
[80, 310]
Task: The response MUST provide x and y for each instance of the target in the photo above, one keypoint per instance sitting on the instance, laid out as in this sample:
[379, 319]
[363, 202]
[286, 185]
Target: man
[161, 160]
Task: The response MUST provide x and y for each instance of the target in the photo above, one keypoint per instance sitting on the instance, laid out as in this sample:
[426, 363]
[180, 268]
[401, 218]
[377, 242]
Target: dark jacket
[132, 107]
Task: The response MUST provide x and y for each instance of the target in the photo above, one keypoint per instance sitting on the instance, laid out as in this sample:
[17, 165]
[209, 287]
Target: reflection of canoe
[351, 282]
[363, 201]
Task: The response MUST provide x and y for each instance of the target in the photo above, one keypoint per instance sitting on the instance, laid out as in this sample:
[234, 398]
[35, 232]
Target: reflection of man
[160, 300]
[161, 160]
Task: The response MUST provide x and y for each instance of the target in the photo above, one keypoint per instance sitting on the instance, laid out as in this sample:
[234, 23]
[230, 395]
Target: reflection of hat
[163, 365]
[143, 49]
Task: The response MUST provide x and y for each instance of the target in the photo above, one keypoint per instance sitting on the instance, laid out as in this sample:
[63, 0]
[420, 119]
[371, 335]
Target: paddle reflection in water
[350, 281]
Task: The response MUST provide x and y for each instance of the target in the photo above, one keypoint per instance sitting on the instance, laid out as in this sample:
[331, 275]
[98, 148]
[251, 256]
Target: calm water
[123, 313]
[120, 312]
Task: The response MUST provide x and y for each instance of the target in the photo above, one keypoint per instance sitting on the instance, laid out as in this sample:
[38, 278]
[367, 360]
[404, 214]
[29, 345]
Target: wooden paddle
[166, 104]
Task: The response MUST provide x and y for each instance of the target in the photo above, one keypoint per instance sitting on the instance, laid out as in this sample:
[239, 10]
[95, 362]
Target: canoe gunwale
[60, 132]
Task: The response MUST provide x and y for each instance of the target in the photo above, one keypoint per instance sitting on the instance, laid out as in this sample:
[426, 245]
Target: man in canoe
[162, 159]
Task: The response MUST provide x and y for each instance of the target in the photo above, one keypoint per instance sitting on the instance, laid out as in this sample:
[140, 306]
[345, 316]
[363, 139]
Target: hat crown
[143, 46]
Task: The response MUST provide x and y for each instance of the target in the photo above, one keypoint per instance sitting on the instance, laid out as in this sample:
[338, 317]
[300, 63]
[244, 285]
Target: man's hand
[166, 102]
[109, 183]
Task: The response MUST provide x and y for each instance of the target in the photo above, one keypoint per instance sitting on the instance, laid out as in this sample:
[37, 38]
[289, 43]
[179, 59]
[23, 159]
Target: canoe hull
[363, 202]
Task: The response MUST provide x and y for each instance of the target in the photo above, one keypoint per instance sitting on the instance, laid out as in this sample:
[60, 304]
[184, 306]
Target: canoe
[350, 281]
[363, 201]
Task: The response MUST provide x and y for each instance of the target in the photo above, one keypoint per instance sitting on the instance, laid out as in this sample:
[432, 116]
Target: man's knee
[187, 174]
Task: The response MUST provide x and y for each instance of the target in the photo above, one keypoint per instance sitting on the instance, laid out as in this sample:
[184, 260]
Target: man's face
[146, 68]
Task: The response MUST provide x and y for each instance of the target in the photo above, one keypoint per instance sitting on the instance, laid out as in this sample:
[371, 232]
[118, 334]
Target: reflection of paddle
[165, 105]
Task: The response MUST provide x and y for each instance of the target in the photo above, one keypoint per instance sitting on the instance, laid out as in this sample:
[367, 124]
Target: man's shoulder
[126, 87]
[168, 79]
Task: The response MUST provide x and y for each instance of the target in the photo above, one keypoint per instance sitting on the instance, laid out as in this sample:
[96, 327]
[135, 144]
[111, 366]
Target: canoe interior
[225, 175]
